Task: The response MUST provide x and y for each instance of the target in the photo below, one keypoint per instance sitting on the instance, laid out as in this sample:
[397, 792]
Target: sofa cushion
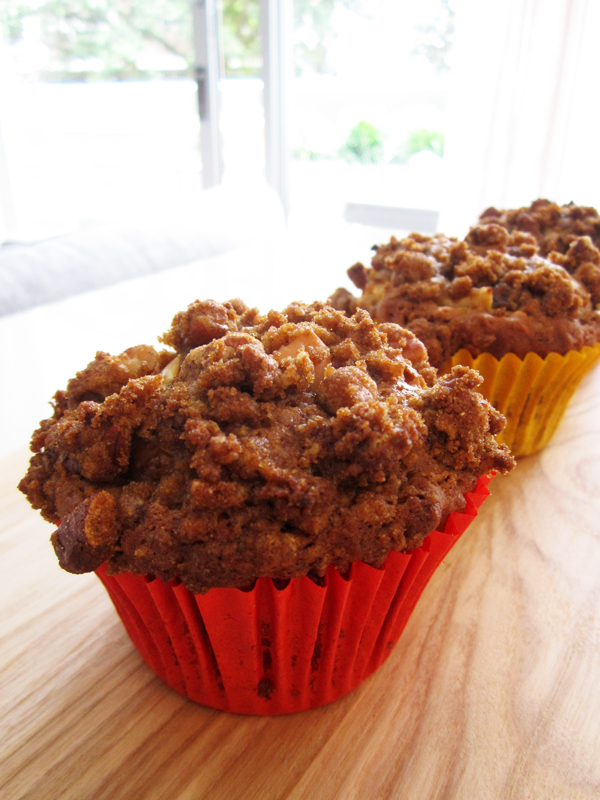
[46, 271]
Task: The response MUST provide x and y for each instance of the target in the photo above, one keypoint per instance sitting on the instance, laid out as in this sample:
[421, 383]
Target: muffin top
[259, 445]
[554, 227]
[492, 292]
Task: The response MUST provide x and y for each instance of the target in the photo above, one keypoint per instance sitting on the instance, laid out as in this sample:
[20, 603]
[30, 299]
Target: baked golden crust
[267, 446]
[492, 292]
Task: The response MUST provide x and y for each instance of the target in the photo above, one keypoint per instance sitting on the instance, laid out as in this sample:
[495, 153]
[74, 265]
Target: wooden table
[492, 692]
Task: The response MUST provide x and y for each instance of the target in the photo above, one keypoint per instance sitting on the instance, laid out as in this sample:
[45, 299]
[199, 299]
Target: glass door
[370, 93]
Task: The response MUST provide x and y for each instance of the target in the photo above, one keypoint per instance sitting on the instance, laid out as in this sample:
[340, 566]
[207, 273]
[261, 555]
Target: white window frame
[276, 41]
[207, 72]
[276, 20]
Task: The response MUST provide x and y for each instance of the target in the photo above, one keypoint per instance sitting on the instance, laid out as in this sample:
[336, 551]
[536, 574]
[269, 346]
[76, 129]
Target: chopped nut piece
[481, 298]
[309, 342]
[171, 371]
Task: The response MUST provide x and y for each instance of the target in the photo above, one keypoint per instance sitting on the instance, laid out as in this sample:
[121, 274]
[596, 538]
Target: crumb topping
[492, 292]
[259, 445]
[554, 227]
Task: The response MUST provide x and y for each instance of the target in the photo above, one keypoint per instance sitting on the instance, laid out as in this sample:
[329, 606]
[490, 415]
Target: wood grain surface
[492, 692]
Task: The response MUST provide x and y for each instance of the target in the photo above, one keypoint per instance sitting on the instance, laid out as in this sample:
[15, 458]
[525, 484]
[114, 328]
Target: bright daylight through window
[99, 117]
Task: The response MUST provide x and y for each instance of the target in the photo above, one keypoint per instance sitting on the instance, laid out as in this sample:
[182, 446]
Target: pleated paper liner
[275, 651]
[532, 393]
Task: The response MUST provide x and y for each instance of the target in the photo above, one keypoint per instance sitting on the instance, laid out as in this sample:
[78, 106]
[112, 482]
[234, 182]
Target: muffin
[529, 324]
[261, 500]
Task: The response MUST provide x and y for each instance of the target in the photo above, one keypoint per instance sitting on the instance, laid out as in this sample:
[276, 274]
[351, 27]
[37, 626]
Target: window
[99, 106]
[98, 109]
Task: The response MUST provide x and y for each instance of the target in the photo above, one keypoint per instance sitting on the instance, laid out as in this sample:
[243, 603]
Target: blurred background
[100, 115]
[389, 114]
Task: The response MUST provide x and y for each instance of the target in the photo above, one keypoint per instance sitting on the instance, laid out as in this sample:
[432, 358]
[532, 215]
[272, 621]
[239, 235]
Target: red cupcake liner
[276, 651]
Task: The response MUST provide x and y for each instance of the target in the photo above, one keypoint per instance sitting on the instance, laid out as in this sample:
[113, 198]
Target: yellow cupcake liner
[532, 393]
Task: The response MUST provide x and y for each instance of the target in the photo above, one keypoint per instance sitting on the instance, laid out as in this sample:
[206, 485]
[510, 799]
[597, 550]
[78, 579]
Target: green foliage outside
[108, 39]
[418, 140]
[127, 39]
[313, 29]
[240, 25]
[312, 32]
[438, 36]
[364, 144]
[104, 39]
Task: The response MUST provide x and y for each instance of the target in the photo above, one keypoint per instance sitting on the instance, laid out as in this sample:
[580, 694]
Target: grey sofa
[42, 272]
